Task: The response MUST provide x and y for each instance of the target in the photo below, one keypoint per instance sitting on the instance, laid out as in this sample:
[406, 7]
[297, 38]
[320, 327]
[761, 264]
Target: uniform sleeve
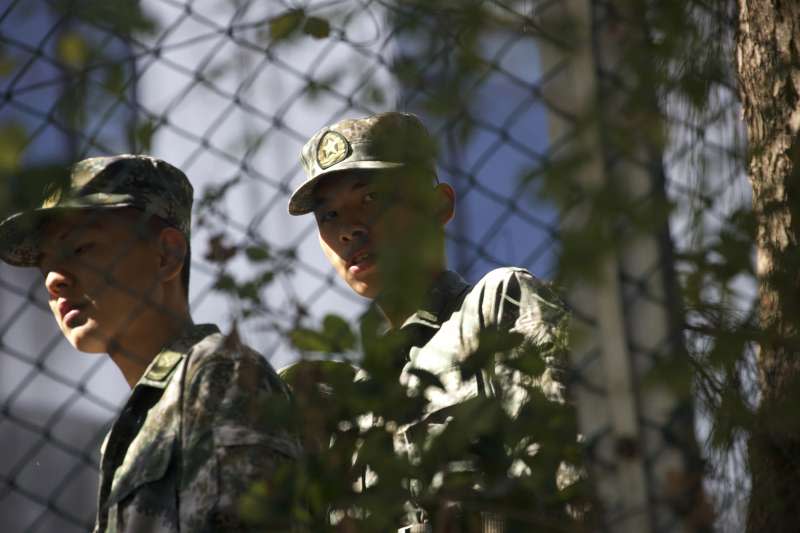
[515, 301]
[228, 443]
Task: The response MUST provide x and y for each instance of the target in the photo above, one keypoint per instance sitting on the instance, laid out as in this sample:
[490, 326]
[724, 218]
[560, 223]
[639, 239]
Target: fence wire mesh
[229, 92]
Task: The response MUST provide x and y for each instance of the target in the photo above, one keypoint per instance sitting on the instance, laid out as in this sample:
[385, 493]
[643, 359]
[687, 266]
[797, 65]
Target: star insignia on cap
[331, 149]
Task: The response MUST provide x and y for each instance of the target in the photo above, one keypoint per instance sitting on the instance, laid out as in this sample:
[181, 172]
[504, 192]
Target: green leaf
[28, 186]
[218, 250]
[265, 278]
[72, 50]
[225, 283]
[284, 25]
[376, 95]
[670, 371]
[338, 332]
[528, 361]
[7, 64]
[428, 379]
[309, 340]
[126, 17]
[325, 370]
[257, 254]
[335, 337]
[316, 27]
[730, 417]
[115, 79]
[13, 140]
[143, 136]
[249, 291]
[490, 344]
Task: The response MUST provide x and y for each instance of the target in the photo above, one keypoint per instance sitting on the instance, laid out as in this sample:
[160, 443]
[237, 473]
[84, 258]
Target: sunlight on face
[99, 270]
[372, 235]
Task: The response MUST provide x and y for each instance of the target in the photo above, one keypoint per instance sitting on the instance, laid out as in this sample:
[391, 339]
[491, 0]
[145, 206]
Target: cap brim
[20, 233]
[302, 200]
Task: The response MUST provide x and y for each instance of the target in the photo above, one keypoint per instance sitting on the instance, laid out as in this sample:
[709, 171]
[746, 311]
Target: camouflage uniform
[447, 330]
[192, 437]
[448, 327]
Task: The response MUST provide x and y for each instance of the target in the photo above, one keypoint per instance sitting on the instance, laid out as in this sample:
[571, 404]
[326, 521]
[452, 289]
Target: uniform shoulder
[518, 288]
[503, 275]
[515, 280]
[227, 351]
[228, 386]
[218, 345]
[208, 349]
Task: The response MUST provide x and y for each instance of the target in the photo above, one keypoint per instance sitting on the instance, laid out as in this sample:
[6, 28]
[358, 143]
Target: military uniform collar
[436, 307]
[160, 369]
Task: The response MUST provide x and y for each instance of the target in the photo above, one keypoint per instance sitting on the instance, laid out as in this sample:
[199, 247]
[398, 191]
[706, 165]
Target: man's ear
[445, 202]
[172, 247]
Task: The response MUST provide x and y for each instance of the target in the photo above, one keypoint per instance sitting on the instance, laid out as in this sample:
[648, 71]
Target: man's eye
[327, 216]
[82, 248]
[370, 197]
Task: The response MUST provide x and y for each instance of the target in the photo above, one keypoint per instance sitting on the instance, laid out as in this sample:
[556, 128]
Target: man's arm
[513, 301]
[228, 440]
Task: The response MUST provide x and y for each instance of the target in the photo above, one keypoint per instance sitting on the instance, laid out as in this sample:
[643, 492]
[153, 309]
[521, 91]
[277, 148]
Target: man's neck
[398, 307]
[144, 340]
[395, 315]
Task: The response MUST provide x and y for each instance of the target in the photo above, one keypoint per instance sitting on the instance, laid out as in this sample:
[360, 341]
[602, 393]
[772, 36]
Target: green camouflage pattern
[383, 141]
[453, 320]
[138, 181]
[192, 439]
[507, 299]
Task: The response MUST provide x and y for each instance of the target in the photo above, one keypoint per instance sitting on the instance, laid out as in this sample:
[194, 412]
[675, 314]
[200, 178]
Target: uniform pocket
[238, 435]
[145, 462]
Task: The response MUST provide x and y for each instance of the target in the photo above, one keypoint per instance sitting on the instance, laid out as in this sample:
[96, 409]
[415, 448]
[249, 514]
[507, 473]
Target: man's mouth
[360, 258]
[70, 312]
[360, 262]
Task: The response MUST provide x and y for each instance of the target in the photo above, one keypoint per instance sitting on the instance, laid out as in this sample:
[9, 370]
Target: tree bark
[768, 60]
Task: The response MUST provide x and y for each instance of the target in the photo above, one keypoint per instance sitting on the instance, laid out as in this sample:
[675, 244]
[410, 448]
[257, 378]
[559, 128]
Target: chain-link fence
[579, 149]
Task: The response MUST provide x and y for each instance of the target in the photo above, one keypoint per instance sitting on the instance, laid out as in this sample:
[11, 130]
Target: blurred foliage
[13, 139]
[287, 24]
[350, 404]
[673, 58]
[92, 83]
[483, 460]
[121, 16]
[73, 51]
[247, 294]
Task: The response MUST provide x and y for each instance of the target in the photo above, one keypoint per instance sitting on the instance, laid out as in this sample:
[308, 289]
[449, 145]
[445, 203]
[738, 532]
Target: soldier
[113, 247]
[380, 210]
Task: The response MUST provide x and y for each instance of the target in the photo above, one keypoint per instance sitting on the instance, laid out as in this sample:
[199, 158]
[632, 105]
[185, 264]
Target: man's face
[100, 268]
[368, 226]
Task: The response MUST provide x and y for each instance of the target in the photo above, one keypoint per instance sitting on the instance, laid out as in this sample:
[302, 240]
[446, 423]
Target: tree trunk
[768, 58]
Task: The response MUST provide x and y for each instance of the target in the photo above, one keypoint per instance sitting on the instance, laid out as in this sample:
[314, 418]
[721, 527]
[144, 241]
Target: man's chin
[85, 340]
[362, 284]
[366, 288]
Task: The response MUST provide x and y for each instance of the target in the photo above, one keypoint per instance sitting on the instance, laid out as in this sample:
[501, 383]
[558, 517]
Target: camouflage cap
[137, 181]
[382, 141]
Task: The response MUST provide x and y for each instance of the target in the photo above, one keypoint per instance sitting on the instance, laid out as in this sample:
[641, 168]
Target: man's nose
[353, 232]
[57, 281]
